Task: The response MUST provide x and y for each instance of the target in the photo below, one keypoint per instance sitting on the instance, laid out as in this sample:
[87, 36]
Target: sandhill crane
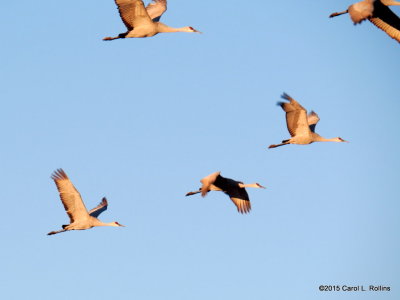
[378, 13]
[144, 22]
[80, 218]
[300, 125]
[234, 189]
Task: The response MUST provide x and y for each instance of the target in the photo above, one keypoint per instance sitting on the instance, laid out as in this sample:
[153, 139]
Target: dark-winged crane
[80, 218]
[144, 21]
[300, 125]
[234, 189]
[378, 13]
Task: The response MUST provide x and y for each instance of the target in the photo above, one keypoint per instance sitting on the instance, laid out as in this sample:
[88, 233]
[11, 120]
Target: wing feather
[386, 20]
[95, 212]
[207, 182]
[296, 116]
[312, 120]
[156, 9]
[133, 13]
[70, 197]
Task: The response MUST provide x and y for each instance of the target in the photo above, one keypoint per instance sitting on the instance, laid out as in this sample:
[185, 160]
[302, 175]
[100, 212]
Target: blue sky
[141, 121]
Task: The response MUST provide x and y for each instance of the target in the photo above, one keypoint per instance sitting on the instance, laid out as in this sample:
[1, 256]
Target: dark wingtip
[285, 96]
[59, 174]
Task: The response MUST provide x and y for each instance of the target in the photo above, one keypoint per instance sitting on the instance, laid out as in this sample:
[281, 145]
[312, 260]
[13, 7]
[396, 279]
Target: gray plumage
[80, 218]
[378, 13]
[144, 21]
[300, 125]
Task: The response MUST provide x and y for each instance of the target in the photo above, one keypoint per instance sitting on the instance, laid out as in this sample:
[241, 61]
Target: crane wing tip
[59, 174]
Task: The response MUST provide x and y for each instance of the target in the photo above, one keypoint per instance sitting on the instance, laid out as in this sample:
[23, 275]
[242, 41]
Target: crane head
[191, 29]
[117, 224]
[260, 186]
[342, 140]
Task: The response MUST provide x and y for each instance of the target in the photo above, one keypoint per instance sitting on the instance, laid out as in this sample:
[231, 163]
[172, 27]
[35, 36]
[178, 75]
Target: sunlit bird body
[144, 22]
[378, 13]
[80, 218]
[234, 189]
[300, 125]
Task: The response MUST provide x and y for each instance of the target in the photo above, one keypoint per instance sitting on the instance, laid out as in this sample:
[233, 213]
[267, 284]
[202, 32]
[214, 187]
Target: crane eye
[117, 223]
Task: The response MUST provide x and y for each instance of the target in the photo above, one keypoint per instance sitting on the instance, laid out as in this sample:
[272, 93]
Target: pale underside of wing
[312, 119]
[70, 196]
[156, 9]
[243, 206]
[95, 212]
[296, 116]
[207, 182]
[133, 13]
[387, 21]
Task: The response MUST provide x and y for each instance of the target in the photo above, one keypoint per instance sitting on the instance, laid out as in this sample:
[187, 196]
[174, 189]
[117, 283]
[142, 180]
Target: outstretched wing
[296, 116]
[132, 13]
[95, 212]
[70, 196]
[207, 182]
[241, 199]
[156, 9]
[386, 20]
[312, 120]
[237, 194]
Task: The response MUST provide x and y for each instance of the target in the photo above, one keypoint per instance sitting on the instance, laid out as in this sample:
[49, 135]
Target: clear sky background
[141, 121]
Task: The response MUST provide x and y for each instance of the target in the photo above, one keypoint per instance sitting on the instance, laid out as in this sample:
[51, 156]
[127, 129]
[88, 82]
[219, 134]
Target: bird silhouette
[234, 189]
[300, 125]
[80, 218]
[144, 22]
[378, 13]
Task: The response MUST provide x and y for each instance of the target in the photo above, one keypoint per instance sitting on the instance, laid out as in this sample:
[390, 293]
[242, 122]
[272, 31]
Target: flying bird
[234, 189]
[144, 22]
[300, 125]
[80, 218]
[378, 13]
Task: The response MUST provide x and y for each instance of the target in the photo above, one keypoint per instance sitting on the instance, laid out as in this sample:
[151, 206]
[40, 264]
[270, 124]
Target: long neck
[165, 28]
[97, 222]
[390, 2]
[253, 185]
[318, 138]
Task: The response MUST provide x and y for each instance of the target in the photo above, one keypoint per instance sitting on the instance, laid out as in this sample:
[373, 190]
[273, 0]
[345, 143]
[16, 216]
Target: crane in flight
[80, 218]
[378, 13]
[144, 21]
[234, 189]
[300, 125]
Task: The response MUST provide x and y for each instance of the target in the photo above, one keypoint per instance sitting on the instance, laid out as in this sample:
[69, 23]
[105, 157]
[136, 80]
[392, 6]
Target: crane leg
[338, 14]
[193, 193]
[55, 232]
[120, 36]
[278, 145]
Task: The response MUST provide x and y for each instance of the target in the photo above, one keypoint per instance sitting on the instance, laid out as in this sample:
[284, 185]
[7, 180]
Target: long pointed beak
[197, 31]
[122, 225]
